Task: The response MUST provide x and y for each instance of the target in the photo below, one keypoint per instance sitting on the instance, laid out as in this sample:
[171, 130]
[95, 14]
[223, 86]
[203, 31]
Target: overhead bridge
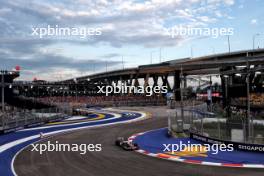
[212, 64]
[178, 69]
[207, 65]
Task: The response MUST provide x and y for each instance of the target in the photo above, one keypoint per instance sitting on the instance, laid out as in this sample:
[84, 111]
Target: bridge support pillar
[155, 80]
[184, 81]
[177, 86]
[165, 82]
[146, 81]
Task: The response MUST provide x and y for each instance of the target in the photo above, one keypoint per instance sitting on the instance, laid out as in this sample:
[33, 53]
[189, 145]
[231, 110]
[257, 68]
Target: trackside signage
[236, 145]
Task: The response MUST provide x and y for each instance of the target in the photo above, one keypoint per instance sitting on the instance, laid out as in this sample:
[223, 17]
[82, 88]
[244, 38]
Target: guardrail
[13, 121]
[129, 103]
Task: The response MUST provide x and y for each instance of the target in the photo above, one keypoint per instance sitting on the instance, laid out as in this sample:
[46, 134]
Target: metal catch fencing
[199, 121]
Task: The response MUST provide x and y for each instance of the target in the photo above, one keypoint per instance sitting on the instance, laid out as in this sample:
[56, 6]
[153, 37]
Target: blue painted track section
[153, 142]
[7, 155]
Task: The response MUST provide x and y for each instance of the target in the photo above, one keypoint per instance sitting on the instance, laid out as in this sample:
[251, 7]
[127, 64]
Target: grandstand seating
[255, 100]
[105, 100]
[239, 106]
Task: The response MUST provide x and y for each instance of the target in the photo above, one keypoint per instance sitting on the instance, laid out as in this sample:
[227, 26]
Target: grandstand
[232, 68]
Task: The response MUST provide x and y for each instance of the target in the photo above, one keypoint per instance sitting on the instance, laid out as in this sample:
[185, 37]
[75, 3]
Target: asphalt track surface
[14, 142]
[113, 161]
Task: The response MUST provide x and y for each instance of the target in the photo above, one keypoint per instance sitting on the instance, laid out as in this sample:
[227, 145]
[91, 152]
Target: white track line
[143, 152]
[79, 123]
[19, 141]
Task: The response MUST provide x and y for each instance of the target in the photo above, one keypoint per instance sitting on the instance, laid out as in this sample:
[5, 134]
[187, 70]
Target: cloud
[229, 2]
[121, 15]
[111, 55]
[254, 21]
[45, 65]
[124, 23]
[50, 61]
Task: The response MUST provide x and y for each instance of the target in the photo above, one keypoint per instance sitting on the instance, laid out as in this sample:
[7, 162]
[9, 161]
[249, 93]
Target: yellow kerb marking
[99, 116]
[191, 152]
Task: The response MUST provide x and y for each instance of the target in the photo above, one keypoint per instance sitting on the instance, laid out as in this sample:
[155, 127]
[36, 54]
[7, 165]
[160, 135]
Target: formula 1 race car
[125, 144]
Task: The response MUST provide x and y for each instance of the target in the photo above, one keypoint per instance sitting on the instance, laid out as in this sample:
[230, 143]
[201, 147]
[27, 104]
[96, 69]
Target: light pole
[249, 117]
[254, 38]
[228, 41]
[151, 56]
[3, 90]
[211, 96]
[75, 81]
[248, 108]
[226, 81]
[106, 66]
[181, 94]
[213, 50]
[191, 51]
[123, 62]
[160, 55]
[3, 85]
